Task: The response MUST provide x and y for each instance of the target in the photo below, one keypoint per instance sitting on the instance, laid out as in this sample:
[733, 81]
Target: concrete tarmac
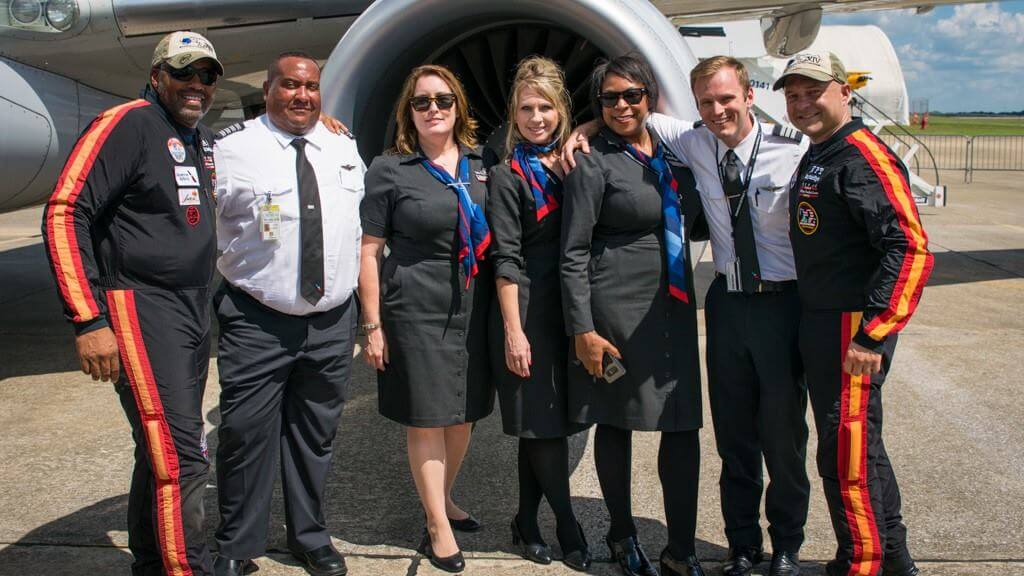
[953, 430]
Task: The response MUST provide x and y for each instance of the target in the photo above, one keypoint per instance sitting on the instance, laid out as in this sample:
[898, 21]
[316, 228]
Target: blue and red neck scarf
[474, 234]
[672, 216]
[526, 162]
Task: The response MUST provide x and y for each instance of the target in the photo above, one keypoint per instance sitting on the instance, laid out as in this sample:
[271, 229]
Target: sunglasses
[632, 96]
[422, 103]
[208, 76]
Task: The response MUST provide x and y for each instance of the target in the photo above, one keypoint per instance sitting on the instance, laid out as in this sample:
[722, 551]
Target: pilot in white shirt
[755, 379]
[288, 194]
[776, 162]
[255, 174]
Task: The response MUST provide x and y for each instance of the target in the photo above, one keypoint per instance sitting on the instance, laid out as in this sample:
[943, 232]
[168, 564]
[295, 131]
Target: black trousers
[283, 385]
[758, 406]
[860, 487]
[163, 340]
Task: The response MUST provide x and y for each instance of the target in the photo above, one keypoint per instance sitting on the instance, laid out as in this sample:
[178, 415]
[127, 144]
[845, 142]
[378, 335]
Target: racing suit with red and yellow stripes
[862, 262]
[129, 232]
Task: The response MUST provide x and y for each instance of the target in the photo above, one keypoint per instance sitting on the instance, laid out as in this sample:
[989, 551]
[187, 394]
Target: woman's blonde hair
[546, 78]
[406, 137]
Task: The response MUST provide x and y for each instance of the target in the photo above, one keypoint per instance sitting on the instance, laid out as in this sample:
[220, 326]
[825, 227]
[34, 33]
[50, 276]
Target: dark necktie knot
[300, 144]
[731, 157]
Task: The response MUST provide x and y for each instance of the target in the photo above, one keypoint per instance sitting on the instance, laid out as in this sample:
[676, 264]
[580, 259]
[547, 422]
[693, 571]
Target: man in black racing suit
[862, 261]
[129, 232]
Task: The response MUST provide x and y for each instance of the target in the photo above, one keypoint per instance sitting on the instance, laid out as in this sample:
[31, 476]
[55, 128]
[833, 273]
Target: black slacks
[283, 385]
[758, 406]
[163, 340]
[860, 487]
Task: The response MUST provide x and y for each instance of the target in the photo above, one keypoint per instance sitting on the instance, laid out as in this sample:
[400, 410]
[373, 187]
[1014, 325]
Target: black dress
[526, 253]
[615, 281]
[439, 372]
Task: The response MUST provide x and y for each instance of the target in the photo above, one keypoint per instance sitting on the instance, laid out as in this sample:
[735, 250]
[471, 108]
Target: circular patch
[807, 218]
[192, 216]
[177, 149]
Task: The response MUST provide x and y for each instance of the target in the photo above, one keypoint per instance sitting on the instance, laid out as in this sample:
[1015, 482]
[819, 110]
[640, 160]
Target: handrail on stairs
[861, 100]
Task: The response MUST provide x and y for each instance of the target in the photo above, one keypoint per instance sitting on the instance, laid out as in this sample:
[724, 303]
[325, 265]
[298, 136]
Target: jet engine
[481, 41]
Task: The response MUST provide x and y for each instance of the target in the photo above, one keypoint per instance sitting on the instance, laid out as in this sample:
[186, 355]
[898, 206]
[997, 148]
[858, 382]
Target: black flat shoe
[672, 566]
[631, 557]
[742, 560]
[533, 551]
[579, 559]
[785, 564]
[454, 564]
[467, 524]
[227, 567]
[323, 561]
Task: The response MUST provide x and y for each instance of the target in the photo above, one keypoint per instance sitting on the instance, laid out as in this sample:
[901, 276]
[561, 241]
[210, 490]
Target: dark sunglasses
[632, 96]
[422, 103]
[208, 76]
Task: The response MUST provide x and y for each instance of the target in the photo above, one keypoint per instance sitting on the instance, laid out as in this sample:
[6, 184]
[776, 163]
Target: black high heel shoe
[580, 559]
[631, 557]
[533, 551]
[455, 563]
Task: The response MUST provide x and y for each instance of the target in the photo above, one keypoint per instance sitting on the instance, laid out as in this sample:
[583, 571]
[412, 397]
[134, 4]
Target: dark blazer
[615, 281]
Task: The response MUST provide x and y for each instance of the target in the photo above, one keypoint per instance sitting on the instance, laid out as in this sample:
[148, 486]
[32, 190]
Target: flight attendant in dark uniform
[627, 291]
[529, 346]
[425, 311]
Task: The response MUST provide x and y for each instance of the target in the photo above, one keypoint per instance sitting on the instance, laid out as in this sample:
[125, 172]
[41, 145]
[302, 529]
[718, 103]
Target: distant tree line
[993, 114]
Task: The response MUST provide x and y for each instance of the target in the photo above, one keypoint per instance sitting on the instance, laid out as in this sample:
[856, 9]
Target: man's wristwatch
[368, 327]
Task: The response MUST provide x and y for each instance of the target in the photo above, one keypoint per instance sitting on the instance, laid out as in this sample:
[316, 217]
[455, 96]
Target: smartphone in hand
[613, 368]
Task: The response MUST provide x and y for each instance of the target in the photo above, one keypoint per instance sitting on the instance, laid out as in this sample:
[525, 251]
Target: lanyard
[749, 172]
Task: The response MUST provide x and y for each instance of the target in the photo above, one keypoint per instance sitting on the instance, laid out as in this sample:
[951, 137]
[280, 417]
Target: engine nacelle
[42, 115]
[482, 40]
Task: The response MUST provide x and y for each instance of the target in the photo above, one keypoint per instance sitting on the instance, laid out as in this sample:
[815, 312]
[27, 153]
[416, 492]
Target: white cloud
[968, 57]
[977, 21]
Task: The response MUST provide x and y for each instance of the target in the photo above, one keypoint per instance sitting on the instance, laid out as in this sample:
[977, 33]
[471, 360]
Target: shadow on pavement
[962, 267]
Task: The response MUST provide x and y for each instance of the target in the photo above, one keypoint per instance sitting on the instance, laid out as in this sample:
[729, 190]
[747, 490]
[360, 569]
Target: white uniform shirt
[768, 192]
[257, 162]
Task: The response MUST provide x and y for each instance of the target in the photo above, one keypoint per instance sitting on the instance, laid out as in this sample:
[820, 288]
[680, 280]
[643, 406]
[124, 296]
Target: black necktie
[311, 271]
[742, 225]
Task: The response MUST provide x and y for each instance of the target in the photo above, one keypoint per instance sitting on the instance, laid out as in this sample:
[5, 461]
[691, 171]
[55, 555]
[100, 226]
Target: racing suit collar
[837, 138]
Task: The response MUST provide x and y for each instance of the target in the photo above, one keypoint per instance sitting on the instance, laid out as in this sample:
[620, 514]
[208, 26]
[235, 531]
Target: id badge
[270, 222]
[732, 277]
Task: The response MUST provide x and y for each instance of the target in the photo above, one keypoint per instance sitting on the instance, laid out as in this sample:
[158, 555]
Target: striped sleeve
[882, 193]
[96, 171]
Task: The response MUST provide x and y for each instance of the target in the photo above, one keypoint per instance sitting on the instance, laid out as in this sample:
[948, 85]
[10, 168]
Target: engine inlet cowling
[481, 41]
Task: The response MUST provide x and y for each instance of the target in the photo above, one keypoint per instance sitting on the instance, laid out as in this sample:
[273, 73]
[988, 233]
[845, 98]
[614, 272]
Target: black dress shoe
[579, 559]
[454, 563]
[322, 561]
[223, 566]
[742, 560]
[533, 551]
[671, 566]
[631, 557]
[785, 564]
[467, 524]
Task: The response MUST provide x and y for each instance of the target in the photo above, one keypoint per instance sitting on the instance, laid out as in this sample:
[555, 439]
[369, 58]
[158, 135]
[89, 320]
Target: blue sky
[961, 58]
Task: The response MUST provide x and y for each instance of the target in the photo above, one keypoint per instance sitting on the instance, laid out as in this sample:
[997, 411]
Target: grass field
[973, 126]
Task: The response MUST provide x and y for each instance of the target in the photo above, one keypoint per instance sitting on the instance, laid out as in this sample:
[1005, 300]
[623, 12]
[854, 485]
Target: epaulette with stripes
[787, 132]
[236, 127]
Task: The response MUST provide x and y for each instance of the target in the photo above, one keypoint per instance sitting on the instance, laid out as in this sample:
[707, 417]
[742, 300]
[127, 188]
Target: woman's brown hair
[406, 137]
[546, 78]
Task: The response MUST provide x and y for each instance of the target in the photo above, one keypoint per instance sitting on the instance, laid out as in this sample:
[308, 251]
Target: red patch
[192, 216]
